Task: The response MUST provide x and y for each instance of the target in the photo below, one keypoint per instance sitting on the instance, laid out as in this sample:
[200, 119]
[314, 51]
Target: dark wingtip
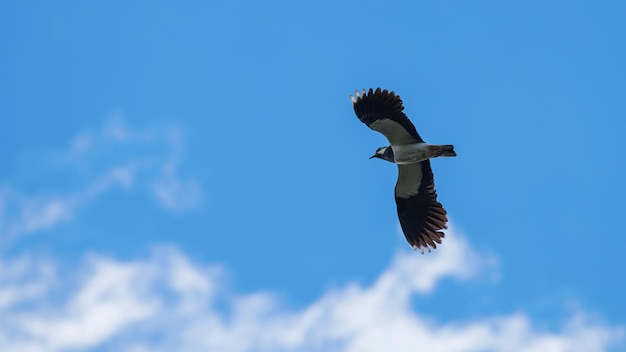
[426, 241]
[379, 101]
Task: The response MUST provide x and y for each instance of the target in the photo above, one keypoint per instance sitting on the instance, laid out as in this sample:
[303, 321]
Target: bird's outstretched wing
[381, 111]
[421, 216]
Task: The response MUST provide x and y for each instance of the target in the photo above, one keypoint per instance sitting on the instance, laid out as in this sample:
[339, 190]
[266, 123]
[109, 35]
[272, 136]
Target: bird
[422, 217]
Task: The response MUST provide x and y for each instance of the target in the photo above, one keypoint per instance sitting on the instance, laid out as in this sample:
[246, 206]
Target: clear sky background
[191, 176]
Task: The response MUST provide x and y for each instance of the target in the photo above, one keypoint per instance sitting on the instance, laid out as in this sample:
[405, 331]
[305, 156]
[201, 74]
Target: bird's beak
[373, 156]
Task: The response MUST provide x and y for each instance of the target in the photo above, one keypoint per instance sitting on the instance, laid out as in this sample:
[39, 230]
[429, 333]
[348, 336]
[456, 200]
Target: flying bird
[421, 216]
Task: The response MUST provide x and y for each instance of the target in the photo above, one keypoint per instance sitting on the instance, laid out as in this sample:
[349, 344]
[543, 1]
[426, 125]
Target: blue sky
[191, 176]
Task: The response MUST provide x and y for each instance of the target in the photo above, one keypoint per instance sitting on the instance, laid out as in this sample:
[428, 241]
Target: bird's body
[416, 152]
[421, 216]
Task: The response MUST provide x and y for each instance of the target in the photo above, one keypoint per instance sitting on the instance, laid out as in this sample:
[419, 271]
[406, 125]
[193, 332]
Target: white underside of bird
[413, 153]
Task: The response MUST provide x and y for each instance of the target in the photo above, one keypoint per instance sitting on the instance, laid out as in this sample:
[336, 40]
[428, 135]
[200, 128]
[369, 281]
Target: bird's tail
[442, 150]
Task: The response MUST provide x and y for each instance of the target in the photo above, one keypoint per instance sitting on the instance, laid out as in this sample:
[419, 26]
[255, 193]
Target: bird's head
[385, 153]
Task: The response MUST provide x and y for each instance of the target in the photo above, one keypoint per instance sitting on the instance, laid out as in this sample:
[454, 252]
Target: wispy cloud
[115, 156]
[173, 192]
[167, 302]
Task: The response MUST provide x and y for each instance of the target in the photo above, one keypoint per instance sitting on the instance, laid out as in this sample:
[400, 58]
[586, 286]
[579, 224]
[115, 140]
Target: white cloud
[114, 156]
[23, 279]
[166, 302]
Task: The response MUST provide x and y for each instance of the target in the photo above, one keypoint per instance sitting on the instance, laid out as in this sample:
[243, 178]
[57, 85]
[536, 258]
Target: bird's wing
[381, 111]
[421, 216]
